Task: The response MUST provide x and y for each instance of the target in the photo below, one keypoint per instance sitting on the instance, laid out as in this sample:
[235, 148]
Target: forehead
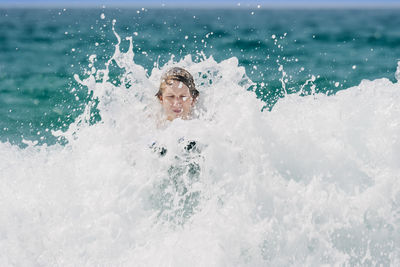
[176, 88]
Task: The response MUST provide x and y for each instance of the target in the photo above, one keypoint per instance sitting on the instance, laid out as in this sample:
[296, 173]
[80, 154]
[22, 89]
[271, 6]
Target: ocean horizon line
[216, 5]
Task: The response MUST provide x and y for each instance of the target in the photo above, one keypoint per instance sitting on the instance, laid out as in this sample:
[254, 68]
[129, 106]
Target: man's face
[176, 100]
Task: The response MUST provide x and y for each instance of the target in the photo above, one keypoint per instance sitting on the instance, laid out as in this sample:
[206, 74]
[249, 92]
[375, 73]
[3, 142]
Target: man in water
[174, 196]
[177, 94]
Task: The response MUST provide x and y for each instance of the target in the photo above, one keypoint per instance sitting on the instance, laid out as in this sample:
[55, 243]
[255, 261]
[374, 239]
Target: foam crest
[314, 181]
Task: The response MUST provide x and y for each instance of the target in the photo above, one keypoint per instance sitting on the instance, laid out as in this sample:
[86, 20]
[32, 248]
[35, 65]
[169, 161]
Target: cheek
[188, 106]
[164, 104]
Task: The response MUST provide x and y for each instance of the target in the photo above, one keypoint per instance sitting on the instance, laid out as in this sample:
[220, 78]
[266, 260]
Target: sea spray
[397, 74]
[312, 182]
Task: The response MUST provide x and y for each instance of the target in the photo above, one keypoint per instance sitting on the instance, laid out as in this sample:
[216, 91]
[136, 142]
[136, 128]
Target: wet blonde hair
[180, 75]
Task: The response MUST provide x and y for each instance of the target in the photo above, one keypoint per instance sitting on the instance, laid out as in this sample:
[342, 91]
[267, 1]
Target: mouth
[177, 111]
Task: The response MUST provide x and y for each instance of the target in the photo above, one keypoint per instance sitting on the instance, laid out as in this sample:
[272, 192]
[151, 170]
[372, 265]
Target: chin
[174, 116]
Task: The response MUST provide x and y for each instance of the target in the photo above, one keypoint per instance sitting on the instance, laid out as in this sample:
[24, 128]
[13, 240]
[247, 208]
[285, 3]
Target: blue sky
[202, 2]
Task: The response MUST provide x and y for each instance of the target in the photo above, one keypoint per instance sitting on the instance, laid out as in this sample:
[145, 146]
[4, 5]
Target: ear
[194, 100]
[160, 98]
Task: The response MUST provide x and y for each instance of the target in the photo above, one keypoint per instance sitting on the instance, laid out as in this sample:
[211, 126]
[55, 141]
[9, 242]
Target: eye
[184, 98]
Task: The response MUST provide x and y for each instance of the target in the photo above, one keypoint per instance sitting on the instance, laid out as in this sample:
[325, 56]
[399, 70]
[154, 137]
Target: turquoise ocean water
[291, 158]
[41, 50]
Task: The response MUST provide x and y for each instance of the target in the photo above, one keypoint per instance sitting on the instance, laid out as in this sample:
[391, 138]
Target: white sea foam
[315, 181]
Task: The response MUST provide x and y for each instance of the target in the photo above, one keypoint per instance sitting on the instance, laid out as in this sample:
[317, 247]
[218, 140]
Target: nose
[177, 101]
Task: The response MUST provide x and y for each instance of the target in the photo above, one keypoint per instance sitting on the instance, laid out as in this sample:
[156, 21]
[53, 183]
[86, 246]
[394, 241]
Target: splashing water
[397, 74]
[314, 181]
